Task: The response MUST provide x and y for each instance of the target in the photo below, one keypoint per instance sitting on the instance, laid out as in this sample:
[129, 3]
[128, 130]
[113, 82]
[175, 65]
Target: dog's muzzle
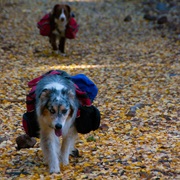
[62, 19]
[58, 126]
[58, 129]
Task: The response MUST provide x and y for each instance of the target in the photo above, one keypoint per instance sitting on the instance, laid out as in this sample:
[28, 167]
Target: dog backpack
[44, 25]
[45, 28]
[71, 29]
[88, 116]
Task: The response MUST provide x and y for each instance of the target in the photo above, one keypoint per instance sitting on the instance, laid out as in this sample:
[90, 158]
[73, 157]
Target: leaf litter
[135, 64]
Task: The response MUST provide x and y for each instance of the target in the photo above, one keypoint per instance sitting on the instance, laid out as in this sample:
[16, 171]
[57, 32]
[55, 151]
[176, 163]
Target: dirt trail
[134, 61]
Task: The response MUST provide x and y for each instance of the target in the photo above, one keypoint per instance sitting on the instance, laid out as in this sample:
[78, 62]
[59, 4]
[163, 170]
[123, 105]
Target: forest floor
[135, 62]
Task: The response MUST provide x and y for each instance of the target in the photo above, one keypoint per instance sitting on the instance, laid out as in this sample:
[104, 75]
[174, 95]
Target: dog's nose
[58, 126]
[62, 19]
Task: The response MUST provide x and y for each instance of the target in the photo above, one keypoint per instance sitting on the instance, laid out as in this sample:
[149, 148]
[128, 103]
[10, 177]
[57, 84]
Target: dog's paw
[54, 166]
[57, 52]
[62, 54]
[64, 161]
[55, 170]
[52, 172]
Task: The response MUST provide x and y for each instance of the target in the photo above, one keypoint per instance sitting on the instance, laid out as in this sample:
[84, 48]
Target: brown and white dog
[59, 19]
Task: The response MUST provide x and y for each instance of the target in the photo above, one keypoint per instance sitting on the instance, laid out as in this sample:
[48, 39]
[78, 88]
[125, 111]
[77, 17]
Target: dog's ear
[71, 94]
[71, 111]
[73, 104]
[68, 8]
[54, 9]
[44, 97]
[45, 94]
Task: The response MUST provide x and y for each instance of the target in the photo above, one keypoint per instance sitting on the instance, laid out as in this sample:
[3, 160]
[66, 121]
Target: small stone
[104, 127]
[25, 141]
[127, 18]
[150, 17]
[162, 20]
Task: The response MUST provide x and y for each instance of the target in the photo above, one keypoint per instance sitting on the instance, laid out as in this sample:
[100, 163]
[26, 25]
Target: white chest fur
[61, 23]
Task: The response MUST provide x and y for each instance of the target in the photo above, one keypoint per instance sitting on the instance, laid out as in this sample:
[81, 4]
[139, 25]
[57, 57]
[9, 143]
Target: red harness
[45, 28]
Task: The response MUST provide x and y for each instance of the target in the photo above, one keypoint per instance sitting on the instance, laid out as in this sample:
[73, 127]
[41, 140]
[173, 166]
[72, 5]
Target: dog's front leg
[50, 148]
[52, 40]
[65, 151]
[62, 41]
[68, 145]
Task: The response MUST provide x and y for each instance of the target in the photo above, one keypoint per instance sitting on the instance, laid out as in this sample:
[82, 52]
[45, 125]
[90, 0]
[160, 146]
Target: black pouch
[89, 119]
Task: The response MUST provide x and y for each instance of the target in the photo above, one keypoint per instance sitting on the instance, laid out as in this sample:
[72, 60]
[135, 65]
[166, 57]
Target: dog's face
[56, 108]
[61, 14]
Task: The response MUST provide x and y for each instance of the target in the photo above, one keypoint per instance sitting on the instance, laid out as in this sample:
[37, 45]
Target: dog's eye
[64, 111]
[52, 111]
